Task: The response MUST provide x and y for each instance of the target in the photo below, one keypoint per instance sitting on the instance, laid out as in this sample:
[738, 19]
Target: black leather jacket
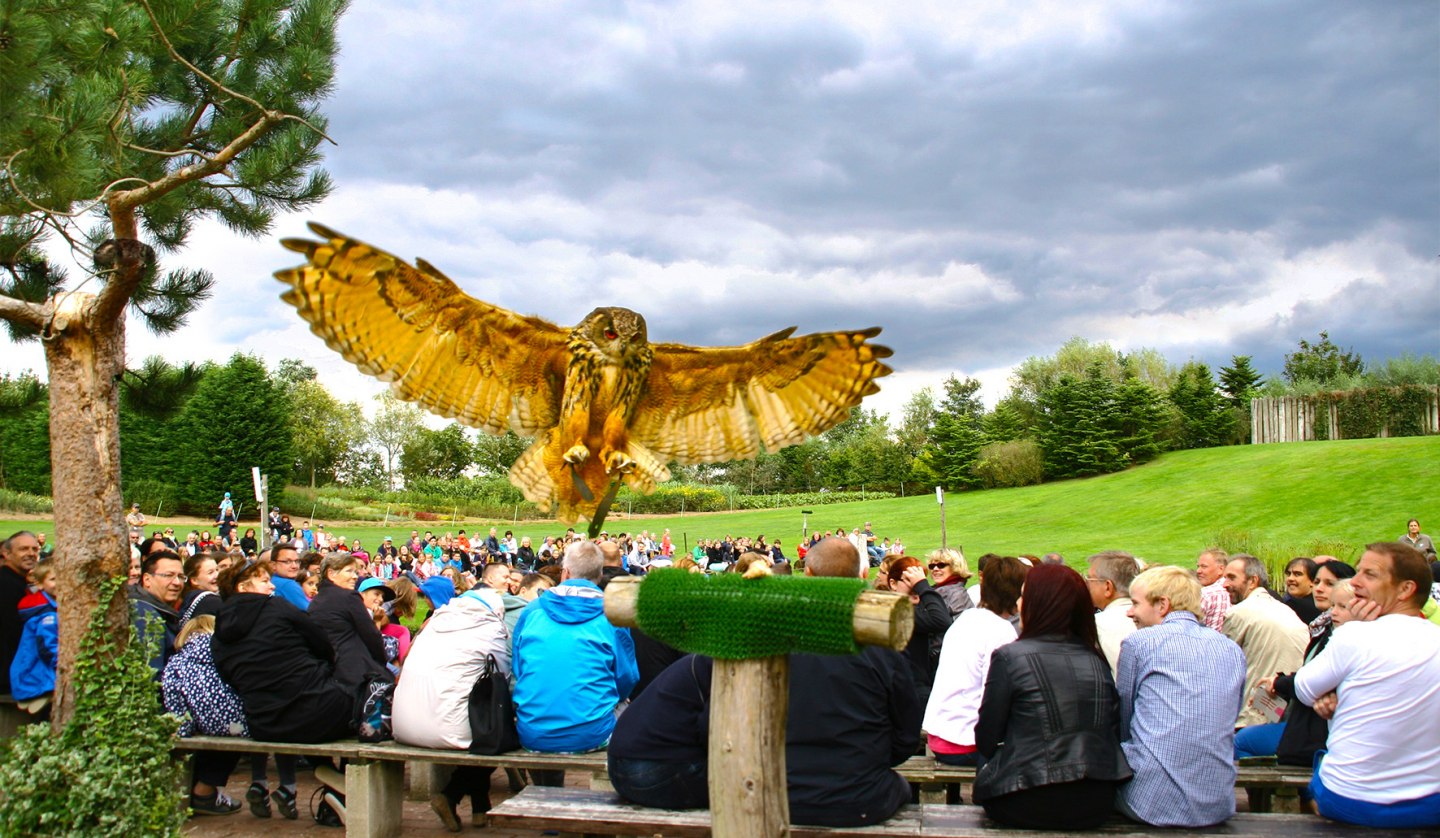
[1050, 715]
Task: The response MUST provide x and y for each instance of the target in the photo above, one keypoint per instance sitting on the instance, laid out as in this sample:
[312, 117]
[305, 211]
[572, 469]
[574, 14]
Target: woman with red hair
[1049, 721]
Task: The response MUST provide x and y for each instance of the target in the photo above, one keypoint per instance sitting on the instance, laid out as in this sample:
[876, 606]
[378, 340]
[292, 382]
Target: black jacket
[282, 666]
[1050, 715]
[13, 588]
[851, 718]
[932, 619]
[359, 648]
[1305, 732]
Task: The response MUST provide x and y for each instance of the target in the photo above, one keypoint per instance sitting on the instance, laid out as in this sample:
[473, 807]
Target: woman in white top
[432, 700]
[954, 704]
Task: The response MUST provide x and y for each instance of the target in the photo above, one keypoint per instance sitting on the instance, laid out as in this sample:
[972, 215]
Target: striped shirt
[1215, 601]
[1180, 688]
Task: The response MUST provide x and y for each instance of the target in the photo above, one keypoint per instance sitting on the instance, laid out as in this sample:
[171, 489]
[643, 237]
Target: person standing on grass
[1180, 686]
[1419, 540]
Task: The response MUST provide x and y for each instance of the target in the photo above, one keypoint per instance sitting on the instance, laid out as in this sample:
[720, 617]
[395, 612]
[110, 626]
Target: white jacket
[432, 697]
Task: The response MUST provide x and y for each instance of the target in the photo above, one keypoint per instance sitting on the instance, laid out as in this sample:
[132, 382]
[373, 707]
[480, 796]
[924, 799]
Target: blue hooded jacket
[571, 669]
[32, 672]
[439, 591]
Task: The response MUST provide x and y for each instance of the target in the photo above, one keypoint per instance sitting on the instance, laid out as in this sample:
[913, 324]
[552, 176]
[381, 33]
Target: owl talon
[618, 462]
[577, 454]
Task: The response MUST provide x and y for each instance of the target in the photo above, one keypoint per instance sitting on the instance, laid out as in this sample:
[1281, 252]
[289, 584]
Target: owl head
[616, 332]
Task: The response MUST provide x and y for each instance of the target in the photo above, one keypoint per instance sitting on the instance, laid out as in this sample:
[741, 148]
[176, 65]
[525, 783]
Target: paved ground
[419, 820]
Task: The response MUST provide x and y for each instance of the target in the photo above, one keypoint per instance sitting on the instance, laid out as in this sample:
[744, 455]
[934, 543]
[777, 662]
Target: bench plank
[578, 810]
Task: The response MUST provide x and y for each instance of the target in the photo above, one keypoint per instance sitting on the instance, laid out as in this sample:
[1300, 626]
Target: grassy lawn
[1291, 499]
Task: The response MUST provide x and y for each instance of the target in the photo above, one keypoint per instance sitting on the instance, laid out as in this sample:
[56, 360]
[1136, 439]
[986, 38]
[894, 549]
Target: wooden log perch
[749, 701]
[881, 618]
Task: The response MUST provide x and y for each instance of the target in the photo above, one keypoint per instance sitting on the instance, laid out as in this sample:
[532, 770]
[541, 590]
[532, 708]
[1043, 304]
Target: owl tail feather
[531, 477]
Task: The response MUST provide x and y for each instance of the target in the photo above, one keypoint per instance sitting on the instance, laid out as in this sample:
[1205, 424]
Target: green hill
[1275, 500]
[1289, 498]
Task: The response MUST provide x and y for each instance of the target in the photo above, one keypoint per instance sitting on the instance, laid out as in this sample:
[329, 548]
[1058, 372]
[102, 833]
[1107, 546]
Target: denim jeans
[661, 785]
[1258, 740]
[1420, 813]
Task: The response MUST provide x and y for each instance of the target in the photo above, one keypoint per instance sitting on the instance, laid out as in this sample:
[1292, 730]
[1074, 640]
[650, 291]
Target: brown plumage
[601, 402]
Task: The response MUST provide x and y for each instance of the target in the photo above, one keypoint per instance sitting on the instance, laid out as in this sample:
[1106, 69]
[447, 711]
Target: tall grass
[24, 503]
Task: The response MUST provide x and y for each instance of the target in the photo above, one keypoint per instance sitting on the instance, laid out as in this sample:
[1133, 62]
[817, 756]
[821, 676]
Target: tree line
[190, 433]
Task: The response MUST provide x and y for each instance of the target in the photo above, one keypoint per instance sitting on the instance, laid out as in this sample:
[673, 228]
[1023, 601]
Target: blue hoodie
[571, 669]
[439, 591]
[32, 672]
[290, 591]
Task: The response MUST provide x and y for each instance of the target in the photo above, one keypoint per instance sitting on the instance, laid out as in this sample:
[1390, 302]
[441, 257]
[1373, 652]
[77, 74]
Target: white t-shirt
[960, 678]
[1113, 625]
[1384, 742]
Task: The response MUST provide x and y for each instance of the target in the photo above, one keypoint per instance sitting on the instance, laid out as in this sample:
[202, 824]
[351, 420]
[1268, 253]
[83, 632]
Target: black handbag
[492, 712]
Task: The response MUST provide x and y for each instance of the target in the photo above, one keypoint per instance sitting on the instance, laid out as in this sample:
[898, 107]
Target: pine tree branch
[169, 47]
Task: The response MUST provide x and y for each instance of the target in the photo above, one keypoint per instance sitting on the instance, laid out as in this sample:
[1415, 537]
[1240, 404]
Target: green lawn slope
[1285, 499]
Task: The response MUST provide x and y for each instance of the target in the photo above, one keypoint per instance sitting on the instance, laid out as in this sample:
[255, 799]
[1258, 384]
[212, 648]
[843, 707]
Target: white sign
[259, 489]
[939, 495]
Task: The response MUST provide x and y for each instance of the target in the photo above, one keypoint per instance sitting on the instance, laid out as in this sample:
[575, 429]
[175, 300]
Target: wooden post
[747, 738]
[747, 748]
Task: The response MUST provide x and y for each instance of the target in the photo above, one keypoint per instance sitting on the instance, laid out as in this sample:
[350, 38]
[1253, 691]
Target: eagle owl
[602, 403]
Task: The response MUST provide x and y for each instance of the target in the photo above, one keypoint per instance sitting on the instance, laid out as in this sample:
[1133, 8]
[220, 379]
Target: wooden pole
[747, 748]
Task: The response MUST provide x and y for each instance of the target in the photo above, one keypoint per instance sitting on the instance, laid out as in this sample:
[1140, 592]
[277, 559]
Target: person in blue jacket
[285, 561]
[572, 668]
[32, 672]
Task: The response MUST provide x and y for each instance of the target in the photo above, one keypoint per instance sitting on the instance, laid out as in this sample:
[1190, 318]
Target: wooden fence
[1292, 419]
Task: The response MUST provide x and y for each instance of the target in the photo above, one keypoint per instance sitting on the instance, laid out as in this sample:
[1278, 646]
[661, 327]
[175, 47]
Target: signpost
[805, 525]
[262, 493]
[940, 499]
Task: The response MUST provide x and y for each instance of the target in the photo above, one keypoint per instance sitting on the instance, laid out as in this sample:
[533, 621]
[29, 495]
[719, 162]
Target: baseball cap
[385, 590]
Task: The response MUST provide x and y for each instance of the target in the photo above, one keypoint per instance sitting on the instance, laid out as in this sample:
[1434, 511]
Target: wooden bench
[375, 773]
[1270, 787]
[604, 813]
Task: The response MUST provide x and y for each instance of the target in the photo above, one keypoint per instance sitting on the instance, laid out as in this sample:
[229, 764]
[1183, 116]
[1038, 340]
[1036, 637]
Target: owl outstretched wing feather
[705, 405]
[412, 326]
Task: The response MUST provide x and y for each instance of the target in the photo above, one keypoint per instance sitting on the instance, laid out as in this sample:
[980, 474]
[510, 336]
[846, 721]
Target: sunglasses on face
[938, 566]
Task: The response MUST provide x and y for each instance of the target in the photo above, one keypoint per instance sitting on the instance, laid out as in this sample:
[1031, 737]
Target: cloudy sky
[983, 180]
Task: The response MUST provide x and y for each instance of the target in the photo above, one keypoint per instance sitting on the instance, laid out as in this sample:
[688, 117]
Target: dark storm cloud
[1172, 167]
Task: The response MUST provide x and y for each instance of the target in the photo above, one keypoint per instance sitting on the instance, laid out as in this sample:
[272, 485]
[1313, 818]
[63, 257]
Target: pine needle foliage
[198, 110]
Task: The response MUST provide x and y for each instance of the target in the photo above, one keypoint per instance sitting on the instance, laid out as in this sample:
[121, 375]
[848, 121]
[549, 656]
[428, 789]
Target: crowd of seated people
[1078, 696]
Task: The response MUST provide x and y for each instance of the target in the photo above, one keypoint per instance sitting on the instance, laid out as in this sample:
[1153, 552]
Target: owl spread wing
[705, 405]
[451, 353]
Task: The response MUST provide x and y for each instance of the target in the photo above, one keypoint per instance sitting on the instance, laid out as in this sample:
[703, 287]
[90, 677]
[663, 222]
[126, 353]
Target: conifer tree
[124, 123]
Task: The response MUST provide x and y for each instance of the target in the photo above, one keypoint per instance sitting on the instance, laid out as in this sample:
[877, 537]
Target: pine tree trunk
[84, 359]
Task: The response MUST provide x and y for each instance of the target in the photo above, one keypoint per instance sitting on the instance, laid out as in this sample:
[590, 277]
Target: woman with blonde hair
[950, 573]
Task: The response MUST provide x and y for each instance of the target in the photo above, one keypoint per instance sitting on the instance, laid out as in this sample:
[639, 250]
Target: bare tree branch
[22, 312]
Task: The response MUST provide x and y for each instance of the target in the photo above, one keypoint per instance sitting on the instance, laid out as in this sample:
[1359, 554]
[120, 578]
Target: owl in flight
[602, 403]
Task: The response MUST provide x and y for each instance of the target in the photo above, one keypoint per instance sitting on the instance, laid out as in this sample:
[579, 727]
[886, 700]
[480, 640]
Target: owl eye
[610, 334]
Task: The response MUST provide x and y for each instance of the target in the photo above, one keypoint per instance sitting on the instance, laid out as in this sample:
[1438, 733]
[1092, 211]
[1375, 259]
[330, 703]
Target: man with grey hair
[572, 668]
[1214, 599]
[1266, 629]
[1109, 580]
[18, 556]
